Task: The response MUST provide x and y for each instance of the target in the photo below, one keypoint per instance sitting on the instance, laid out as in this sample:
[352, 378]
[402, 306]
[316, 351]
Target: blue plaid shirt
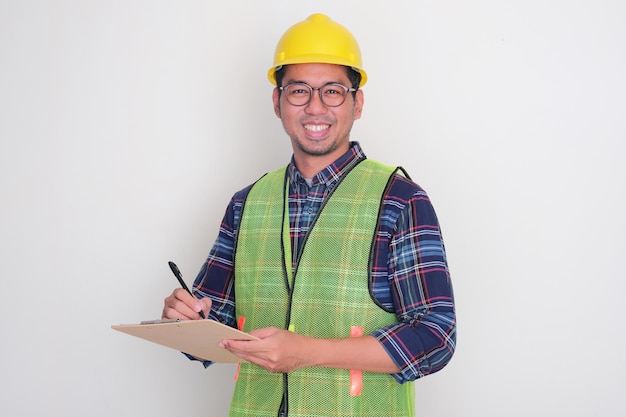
[410, 272]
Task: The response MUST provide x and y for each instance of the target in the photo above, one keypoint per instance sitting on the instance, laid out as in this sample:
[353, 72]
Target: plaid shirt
[410, 272]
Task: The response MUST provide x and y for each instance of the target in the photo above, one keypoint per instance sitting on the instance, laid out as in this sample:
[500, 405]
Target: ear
[358, 104]
[276, 101]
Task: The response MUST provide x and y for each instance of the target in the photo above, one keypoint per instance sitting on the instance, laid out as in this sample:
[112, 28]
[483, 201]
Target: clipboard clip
[159, 321]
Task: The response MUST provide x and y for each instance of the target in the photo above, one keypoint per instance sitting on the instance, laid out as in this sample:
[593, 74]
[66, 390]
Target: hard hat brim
[271, 74]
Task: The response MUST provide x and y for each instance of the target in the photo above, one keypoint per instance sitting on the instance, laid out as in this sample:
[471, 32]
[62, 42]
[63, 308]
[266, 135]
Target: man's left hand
[278, 350]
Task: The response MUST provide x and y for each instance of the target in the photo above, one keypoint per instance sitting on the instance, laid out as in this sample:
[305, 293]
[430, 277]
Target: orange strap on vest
[356, 377]
[240, 323]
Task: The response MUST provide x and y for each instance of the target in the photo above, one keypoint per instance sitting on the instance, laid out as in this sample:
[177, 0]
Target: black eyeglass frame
[319, 89]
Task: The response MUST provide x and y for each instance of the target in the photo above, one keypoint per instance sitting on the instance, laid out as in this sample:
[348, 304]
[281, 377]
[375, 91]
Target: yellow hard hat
[317, 39]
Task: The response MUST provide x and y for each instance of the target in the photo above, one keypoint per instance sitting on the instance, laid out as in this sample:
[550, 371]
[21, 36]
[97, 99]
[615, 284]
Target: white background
[126, 126]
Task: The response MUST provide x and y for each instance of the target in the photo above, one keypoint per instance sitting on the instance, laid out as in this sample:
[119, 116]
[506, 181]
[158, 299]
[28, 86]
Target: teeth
[316, 128]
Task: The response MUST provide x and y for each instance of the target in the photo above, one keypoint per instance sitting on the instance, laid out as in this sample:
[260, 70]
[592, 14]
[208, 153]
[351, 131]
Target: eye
[334, 90]
[298, 90]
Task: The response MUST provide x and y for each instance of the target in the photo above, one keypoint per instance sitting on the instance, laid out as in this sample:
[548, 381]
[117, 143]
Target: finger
[234, 345]
[240, 348]
[190, 302]
[206, 305]
[251, 351]
[179, 310]
[181, 305]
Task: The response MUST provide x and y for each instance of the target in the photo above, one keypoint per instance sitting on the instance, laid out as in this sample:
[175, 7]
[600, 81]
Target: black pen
[179, 277]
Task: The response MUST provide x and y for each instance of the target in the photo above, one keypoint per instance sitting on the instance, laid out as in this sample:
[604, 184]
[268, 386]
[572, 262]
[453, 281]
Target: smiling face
[319, 134]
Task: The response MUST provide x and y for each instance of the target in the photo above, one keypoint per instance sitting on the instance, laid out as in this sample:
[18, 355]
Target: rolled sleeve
[423, 340]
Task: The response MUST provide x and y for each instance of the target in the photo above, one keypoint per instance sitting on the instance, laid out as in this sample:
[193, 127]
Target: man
[335, 262]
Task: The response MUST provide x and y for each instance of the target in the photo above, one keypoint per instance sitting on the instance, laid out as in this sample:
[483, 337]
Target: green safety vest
[324, 296]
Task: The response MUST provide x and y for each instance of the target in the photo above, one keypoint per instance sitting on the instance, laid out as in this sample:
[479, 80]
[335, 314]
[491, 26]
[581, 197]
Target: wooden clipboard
[199, 338]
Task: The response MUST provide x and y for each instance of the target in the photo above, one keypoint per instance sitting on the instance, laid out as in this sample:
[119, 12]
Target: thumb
[206, 305]
[264, 332]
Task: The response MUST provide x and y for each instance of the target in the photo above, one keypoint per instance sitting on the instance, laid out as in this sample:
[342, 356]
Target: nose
[315, 105]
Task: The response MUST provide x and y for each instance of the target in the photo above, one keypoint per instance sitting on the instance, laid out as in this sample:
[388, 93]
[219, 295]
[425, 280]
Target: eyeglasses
[331, 94]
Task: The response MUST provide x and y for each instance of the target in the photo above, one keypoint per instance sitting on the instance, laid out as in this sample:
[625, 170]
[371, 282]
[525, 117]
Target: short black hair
[354, 75]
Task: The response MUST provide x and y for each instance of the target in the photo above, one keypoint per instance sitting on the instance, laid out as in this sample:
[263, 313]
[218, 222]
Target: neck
[310, 165]
[308, 169]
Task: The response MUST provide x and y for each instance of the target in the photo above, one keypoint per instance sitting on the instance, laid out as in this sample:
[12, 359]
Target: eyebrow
[307, 83]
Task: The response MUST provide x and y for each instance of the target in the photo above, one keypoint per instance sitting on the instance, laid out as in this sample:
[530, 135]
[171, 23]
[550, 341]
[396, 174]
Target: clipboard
[199, 338]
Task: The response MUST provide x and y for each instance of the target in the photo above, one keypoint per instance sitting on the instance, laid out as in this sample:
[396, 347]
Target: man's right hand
[182, 305]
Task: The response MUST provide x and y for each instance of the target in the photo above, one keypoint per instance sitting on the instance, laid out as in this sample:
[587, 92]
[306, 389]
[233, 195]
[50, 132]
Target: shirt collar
[333, 172]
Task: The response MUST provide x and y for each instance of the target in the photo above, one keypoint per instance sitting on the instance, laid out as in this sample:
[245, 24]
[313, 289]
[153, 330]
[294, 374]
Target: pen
[179, 277]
